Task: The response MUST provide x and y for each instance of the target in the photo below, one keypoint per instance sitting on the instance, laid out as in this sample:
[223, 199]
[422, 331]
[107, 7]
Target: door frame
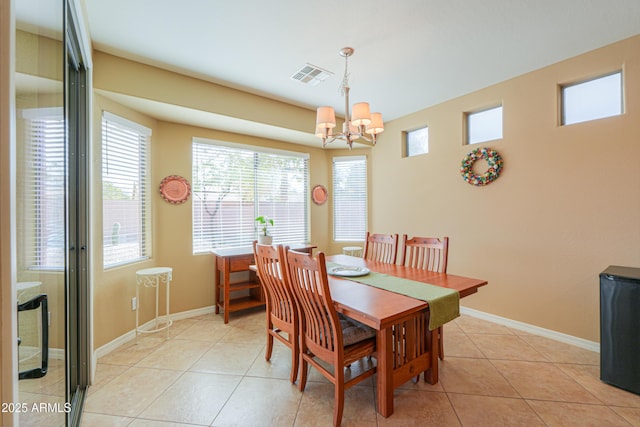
[8, 266]
[78, 291]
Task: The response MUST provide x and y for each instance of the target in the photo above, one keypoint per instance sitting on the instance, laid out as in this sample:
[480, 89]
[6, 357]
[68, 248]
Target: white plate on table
[348, 271]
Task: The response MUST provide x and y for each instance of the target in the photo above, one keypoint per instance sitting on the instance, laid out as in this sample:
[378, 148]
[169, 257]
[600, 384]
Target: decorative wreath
[493, 159]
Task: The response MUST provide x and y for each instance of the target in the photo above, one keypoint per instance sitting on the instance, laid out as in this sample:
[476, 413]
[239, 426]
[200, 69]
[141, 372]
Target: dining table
[406, 346]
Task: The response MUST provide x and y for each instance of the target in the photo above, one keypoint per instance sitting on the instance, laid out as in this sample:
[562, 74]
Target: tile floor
[49, 390]
[211, 374]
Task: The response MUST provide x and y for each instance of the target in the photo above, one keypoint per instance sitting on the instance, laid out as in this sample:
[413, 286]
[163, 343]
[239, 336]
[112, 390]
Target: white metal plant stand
[152, 278]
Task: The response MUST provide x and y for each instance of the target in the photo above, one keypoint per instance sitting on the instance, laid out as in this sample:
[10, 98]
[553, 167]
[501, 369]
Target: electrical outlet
[134, 304]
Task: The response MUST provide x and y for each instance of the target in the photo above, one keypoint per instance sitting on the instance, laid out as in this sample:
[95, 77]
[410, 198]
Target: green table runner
[444, 304]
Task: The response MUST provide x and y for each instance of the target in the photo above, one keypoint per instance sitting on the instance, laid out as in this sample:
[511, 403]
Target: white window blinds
[233, 184]
[125, 203]
[349, 198]
[41, 211]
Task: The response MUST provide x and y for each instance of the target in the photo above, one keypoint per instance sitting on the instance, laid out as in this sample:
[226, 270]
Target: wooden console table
[235, 260]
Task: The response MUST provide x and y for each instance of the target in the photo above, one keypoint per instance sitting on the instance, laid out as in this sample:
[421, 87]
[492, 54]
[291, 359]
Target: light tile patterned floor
[48, 391]
[213, 374]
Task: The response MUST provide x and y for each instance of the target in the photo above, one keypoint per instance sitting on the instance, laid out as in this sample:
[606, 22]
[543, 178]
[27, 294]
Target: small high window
[593, 99]
[416, 142]
[485, 125]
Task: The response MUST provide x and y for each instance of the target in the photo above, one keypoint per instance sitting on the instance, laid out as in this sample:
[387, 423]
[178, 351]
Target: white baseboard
[131, 335]
[54, 353]
[57, 353]
[193, 313]
[535, 330]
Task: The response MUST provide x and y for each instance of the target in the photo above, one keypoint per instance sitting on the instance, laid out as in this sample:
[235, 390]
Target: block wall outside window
[234, 183]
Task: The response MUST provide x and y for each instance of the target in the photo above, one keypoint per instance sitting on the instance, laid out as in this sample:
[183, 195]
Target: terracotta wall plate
[175, 189]
[319, 194]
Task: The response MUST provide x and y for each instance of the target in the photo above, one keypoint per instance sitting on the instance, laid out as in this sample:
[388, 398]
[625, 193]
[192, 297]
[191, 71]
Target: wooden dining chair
[282, 313]
[327, 336]
[427, 253]
[381, 247]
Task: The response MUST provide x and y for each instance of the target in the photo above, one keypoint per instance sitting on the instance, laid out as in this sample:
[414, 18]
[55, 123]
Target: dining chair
[282, 314]
[327, 337]
[381, 247]
[427, 253]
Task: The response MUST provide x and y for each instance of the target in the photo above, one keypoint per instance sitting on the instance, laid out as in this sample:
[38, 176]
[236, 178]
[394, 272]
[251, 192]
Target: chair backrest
[319, 324]
[427, 253]
[281, 301]
[381, 247]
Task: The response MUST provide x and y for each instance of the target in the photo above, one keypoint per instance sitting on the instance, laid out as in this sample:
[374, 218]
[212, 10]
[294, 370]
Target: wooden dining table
[405, 345]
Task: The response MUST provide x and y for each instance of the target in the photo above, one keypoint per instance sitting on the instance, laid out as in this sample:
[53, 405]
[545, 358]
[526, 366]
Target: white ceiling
[409, 54]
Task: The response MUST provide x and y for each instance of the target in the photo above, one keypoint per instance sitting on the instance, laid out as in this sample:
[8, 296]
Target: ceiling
[409, 54]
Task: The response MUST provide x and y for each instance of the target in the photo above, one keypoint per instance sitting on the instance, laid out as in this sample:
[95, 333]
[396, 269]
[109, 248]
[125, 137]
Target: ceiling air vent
[310, 75]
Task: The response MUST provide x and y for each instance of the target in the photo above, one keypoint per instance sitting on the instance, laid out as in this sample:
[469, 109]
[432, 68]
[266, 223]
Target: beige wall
[122, 76]
[566, 206]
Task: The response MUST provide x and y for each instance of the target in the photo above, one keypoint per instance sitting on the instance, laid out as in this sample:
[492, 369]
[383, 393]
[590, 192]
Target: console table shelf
[236, 260]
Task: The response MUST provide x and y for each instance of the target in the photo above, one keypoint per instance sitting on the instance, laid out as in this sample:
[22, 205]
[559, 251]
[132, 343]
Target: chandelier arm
[348, 137]
[334, 138]
[366, 138]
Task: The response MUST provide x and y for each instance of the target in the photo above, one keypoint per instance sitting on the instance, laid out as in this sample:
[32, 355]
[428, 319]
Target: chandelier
[357, 125]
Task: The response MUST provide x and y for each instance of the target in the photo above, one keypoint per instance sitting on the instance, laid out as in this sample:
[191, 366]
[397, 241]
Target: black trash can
[620, 327]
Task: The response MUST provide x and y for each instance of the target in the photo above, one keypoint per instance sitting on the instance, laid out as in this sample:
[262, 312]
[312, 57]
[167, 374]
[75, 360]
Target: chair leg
[295, 354]
[441, 342]
[304, 369]
[267, 354]
[338, 400]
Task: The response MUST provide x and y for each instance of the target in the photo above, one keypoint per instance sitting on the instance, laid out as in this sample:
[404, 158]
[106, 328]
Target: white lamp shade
[325, 117]
[376, 126]
[361, 115]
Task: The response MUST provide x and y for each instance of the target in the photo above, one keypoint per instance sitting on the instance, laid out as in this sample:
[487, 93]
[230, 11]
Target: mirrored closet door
[50, 213]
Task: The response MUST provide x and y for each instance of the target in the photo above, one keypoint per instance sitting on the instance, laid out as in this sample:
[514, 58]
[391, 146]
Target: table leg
[216, 283]
[433, 341]
[385, 371]
[227, 293]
